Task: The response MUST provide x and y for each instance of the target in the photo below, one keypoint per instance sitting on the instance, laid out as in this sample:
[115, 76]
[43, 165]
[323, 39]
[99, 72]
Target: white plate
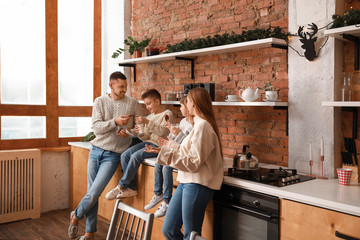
[232, 100]
[277, 100]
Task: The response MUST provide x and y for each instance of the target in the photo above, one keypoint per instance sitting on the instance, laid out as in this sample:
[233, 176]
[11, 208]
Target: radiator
[19, 184]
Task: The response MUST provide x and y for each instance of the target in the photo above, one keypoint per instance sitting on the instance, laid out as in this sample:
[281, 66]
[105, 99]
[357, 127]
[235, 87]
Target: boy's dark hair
[151, 93]
[117, 75]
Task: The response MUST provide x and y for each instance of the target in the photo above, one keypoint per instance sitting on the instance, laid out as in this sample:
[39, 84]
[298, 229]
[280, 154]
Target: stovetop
[279, 177]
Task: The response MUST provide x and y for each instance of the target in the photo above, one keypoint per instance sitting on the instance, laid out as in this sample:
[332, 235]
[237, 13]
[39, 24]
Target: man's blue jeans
[187, 208]
[130, 162]
[163, 175]
[102, 165]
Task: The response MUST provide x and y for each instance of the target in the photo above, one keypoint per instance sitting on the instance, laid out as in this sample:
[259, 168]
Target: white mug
[231, 98]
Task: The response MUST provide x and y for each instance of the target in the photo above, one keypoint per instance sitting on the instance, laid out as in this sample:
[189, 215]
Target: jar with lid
[346, 88]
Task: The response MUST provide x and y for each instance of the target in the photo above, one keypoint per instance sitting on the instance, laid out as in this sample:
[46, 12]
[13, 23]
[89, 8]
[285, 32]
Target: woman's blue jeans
[130, 162]
[187, 208]
[102, 165]
[163, 175]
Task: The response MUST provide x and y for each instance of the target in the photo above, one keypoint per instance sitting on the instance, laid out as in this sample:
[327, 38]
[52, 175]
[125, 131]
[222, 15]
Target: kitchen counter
[320, 193]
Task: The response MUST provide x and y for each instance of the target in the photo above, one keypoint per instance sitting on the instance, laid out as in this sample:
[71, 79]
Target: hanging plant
[350, 17]
[226, 38]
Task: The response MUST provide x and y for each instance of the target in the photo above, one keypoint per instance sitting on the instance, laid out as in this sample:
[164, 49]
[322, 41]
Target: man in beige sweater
[154, 126]
[109, 112]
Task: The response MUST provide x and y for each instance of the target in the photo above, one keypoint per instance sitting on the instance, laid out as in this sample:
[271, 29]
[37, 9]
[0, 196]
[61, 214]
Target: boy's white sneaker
[161, 210]
[126, 193]
[113, 193]
[154, 201]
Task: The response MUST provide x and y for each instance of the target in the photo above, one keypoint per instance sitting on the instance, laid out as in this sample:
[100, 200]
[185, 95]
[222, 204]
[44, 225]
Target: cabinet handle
[343, 236]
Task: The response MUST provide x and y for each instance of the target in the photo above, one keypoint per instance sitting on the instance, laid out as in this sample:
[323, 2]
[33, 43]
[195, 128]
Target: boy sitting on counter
[148, 130]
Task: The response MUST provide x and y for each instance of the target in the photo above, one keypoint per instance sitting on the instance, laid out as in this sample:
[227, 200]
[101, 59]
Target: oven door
[238, 222]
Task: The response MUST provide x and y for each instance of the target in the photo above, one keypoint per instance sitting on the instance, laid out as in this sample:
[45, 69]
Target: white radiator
[19, 184]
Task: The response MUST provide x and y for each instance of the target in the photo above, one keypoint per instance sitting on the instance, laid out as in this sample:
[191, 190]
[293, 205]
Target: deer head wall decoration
[308, 41]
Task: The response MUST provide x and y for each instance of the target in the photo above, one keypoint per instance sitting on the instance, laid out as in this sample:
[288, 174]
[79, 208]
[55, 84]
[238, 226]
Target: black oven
[245, 215]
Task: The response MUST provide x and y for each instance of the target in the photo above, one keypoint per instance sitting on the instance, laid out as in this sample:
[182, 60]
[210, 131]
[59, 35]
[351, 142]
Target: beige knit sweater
[156, 127]
[198, 158]
[105, 110]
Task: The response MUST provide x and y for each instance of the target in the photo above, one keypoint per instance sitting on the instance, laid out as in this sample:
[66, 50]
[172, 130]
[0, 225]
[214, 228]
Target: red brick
[227, 137]
[245, 138]
[229, 151]
[236, 130]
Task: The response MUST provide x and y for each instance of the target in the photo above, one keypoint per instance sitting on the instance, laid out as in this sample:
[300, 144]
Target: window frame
[52, 111]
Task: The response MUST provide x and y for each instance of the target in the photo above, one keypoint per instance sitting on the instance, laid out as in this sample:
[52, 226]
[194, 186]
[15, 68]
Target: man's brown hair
[117, 75]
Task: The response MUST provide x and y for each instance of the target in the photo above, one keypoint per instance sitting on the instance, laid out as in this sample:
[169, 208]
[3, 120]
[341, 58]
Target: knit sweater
[156, 127]
[198, 158]
[105, 110]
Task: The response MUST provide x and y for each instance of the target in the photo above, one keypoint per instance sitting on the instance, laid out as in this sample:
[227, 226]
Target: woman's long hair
[203, 105]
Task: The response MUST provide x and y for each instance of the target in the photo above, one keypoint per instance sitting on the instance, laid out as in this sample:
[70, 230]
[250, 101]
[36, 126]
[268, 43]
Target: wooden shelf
[243, 46]
[339, 32]
[341, 104]
[240, 104]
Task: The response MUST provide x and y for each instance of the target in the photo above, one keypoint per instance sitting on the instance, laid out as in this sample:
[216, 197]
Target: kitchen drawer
[302, 221]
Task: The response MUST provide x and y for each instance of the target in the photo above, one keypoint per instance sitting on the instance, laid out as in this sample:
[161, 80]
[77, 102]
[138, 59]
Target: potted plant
[134, 47]
[271, 93]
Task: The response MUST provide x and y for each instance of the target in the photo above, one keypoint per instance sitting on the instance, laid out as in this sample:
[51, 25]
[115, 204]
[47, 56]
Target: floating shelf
[341, 104]
[351, 106]
[240, 104]
[243, 46]
[339, 32]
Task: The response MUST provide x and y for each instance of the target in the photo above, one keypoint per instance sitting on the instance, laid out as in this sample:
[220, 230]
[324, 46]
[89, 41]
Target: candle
[322, 147]
[310, 152]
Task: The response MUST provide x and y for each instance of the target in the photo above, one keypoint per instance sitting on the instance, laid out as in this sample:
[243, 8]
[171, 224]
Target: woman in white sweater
[200, 164]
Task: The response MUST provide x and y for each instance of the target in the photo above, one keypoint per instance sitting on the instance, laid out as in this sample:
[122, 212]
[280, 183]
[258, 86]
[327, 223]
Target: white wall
[311, 83]
[54, 180]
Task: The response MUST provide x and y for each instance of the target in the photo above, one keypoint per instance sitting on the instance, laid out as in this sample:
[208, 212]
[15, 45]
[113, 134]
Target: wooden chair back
[129, 223]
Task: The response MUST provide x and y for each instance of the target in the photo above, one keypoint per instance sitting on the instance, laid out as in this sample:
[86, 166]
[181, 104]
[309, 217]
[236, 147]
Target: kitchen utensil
[249, 95]
[231, 98]
[353, 150]
[245, 161]
[344, 175]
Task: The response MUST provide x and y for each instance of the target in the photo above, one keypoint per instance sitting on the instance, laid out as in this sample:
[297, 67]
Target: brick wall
[169, 22]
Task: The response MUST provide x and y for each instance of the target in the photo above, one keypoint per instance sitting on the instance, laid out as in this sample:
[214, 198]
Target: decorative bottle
[346, 91]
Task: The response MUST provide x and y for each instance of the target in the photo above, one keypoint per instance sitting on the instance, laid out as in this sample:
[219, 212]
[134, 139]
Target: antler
[314, 28]
[300, 32]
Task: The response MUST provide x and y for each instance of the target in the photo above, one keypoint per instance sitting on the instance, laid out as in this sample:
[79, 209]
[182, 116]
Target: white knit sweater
[156, 127]
[198, 158]
[105, 110]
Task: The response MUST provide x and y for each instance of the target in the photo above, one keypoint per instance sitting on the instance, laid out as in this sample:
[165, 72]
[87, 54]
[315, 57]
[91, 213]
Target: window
[113, 33]
[22, 127]
[22, 53]
[75, 52]
[74, 126]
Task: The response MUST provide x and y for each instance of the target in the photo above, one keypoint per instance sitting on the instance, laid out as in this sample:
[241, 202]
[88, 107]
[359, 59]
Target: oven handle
[269, 216]
[343, 236]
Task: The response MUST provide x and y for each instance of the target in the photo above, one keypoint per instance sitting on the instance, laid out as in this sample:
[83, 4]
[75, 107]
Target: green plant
[226, 38]
[268, 87]
[133, 46]
[350, 17]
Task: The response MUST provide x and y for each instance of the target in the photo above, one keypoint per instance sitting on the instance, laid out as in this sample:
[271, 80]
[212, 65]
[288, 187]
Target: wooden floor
[50, 226]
